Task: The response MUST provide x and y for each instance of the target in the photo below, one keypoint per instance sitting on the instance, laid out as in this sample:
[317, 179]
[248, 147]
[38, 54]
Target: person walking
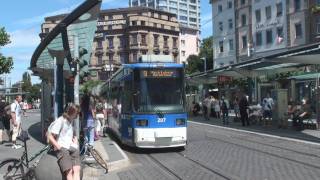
[267, 104]
[65, 142]
[88, 117]
[16, 113]
[224, 105]
[236, 107]
[206, 106]
[217, 108]
[243, 107]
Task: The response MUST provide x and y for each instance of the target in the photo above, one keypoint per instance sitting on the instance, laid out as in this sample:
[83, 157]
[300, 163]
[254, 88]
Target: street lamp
[205, 63]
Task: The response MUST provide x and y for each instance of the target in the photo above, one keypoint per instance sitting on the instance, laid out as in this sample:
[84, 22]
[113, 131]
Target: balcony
[99, 51]
[166, 49]
[110, 50]
[175, 50]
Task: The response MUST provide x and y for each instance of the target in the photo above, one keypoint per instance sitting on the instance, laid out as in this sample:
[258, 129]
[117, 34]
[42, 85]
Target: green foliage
[87, 87]
[6, 63]
[195, 63]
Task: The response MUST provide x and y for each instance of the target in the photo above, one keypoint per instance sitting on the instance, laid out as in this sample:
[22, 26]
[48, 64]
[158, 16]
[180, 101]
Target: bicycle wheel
[11, 169]
[97, 156]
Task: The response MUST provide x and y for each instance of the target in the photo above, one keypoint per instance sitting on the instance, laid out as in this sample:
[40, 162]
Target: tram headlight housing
[180, 122]
[142, 122]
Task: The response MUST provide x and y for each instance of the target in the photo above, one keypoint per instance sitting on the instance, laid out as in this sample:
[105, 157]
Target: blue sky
[22, 20]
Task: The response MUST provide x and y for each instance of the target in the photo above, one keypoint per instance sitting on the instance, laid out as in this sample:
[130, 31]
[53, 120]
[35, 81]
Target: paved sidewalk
[114, 156]
[306, 135]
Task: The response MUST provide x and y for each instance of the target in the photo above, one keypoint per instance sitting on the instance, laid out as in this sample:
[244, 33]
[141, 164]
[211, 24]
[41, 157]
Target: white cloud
[24, 38]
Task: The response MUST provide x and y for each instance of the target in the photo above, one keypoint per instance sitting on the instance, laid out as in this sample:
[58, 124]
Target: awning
[309, 76]
[80, 24]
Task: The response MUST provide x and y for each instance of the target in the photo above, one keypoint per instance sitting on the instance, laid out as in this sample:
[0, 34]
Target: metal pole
[205, 64]
[55, 89]
[76, 83]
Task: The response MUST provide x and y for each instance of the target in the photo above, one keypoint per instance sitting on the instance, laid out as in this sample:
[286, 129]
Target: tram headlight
[180, 122]
[142, 122]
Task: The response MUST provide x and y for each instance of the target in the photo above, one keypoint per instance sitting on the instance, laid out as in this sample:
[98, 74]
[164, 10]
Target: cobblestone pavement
[215, 153]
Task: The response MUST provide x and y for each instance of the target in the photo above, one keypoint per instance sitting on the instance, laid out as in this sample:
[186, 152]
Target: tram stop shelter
[58, 54]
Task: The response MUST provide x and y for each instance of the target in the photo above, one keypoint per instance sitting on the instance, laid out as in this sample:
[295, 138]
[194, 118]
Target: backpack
[49, 129]
[224, 106]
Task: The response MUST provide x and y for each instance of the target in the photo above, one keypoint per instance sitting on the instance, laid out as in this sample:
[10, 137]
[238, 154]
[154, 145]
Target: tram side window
[126, 97]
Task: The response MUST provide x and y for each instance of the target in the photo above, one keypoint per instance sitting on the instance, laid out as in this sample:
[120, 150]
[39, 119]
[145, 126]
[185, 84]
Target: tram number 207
[161, 120]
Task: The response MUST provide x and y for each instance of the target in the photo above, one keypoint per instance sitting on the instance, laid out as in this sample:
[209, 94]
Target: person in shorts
[63, 138]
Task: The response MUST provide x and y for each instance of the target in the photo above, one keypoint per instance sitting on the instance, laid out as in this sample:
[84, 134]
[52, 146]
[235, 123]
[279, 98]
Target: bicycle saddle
[23, 136]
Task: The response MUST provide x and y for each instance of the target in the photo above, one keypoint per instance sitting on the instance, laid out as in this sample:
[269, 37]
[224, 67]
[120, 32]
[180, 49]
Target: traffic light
[83, 64]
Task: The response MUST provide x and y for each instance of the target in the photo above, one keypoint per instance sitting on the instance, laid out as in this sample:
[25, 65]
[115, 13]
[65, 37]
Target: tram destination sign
[157, 73]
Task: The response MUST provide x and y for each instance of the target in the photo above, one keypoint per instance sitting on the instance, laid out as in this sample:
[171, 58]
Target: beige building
[124, 34]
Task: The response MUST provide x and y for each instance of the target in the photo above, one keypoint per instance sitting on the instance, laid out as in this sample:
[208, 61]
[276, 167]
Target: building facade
[189, 43]
[187, 11]
[124, 34]
[224, 44]
[264, 27]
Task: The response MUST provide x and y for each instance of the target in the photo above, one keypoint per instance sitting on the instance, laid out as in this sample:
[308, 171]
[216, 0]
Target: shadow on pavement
[35, 132]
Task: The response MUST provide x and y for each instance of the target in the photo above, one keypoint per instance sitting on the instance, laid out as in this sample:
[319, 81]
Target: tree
[6, 63]
[195, 63]
[26, 79]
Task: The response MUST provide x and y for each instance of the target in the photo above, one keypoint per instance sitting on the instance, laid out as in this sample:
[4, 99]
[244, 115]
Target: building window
[243, 19]
[143, 39]
[162, 26]
[269, 36]
[155, 40]
[110, 57]
[258, 39]
[134, 23]
[134, 39]
[268, 12]
[279, 9]
[99, 44]
[279, 35]
[297, 5]
[165, 41]
[46, 30]
[122, 58]
[230, 23]
[231, 47]
[143, 23]
[258, 15]
[134, 57]
[243, 2]
[122, 41]
[183, 53]
[244, 42]
[221, 46]
[221, 26]
[174, 42]
[99, 60]
[110, 40]
[110, 17]
[183, 43]
[219, 8]
[298, 30]
[318, 24]
[229, 4]
[109, 27]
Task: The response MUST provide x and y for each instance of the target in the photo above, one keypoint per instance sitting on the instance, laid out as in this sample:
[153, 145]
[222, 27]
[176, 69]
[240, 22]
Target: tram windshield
[158, 90]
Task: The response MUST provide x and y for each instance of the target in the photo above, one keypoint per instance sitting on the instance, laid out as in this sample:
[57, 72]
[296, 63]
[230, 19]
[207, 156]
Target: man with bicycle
[62, 136]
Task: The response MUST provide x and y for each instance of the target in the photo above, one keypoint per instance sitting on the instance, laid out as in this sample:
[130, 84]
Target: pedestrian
[88, 117]
[267, 104]
[212, 112]
[305, 113]
[217, 108]
[195, 108]
[206, 106]
[16, 113]
[63, 138]
[224, 105]
[243, 107]
[4, 120]
[236, 107]
[99, 122]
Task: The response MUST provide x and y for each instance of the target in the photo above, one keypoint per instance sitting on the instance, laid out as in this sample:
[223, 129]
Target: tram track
[177, 176]
[264, 152]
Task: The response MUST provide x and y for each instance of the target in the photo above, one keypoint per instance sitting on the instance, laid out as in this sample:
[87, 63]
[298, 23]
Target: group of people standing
[220, 108]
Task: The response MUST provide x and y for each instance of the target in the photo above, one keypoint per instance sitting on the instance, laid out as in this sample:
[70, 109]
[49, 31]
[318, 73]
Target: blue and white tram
[147, 105]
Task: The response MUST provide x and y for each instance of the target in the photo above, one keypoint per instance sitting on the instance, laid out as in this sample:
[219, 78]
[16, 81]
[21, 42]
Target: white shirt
[16, 108]
[63, 128]
[269, 104]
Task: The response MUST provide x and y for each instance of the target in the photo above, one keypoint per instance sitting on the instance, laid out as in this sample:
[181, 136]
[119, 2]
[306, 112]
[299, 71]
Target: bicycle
[88, 149]
[15, 168]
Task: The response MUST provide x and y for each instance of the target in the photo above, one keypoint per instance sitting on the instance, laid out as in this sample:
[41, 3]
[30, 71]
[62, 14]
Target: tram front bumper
[160, 137]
